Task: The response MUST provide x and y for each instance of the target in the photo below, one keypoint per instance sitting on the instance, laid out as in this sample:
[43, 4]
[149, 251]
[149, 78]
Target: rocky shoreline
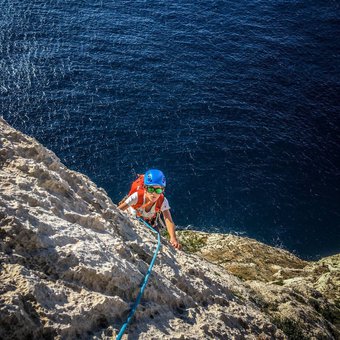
[71, 265]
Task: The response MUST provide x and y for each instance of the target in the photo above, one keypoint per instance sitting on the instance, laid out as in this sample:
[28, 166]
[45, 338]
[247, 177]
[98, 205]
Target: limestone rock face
[244, 257]
[302, 298]
[71, 265]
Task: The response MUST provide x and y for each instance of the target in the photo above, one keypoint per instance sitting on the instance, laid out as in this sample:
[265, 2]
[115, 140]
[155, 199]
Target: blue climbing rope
[146, 278]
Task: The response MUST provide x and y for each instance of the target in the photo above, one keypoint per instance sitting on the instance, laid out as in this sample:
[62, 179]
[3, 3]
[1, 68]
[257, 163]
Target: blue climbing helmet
[154, 177]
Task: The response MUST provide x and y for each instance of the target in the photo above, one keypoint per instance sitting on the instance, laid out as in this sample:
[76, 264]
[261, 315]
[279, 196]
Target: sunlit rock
[72, 264]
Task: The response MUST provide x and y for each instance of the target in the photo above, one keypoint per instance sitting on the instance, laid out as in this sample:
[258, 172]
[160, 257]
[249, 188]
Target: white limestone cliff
[71, 264]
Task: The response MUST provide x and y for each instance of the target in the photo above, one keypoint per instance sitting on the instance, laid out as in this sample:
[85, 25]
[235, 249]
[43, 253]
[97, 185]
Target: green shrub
[192, 242]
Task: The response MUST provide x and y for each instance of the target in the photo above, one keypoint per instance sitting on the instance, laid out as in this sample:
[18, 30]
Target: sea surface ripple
[237, 102]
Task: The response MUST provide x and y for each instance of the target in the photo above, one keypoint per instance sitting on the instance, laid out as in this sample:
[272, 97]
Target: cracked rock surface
[71, 264]
[302, 298]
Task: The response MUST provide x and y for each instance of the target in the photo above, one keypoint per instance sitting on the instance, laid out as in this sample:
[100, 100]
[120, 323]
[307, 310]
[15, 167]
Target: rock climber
[146, 200]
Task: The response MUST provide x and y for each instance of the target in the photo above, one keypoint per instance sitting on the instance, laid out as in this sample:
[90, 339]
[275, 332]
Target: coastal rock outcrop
[301, 297]
[71, 265]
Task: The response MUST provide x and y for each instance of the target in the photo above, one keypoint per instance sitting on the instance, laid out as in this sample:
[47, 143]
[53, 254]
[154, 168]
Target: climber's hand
[175, 243]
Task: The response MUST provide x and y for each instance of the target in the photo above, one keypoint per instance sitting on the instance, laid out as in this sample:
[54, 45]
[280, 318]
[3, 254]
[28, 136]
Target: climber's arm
[170, 226]
[123, 206]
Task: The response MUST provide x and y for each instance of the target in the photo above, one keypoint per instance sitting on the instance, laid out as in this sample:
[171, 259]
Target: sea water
[236, 101]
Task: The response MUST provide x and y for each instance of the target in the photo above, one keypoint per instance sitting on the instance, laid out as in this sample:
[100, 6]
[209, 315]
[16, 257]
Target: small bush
[192, 242]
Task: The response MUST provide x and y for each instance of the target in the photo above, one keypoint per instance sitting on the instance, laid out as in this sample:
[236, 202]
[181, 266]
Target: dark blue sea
[236, 101]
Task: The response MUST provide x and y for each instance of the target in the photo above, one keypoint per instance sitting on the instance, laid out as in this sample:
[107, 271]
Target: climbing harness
[146, 278]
